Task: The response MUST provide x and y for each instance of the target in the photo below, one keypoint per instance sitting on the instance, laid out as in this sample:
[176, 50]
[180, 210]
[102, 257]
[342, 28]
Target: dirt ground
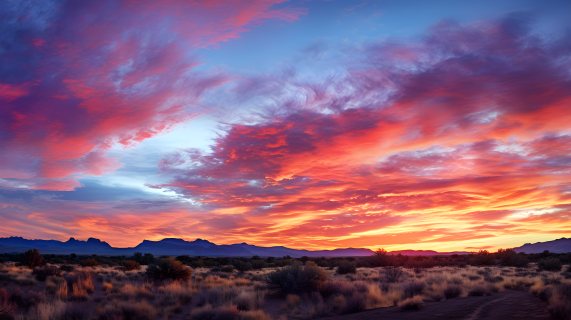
[505, 305]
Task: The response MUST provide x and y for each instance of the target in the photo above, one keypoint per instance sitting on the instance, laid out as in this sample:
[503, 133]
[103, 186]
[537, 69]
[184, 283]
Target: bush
[259, 264]
[89, 263]
[67, 268]
[242, 266]
[127, 310]
[452, 291]
[560, 302]
[346, 267]
[254, 315]
[6, 305]
[355, 303]
[296, 279]
[208, 313]
[227, 269]
[477, 291]
[508, 257]
[413, 303]
[169, 269]
[32, 258]
[43, 273]
[130, 265]
[412, 289]
[550, 264]
[391, 274]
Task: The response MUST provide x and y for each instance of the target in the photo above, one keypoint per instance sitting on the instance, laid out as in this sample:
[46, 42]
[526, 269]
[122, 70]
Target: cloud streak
[82, 77]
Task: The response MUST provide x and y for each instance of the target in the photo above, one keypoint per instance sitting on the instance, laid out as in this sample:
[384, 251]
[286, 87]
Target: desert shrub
[130, 291]
[127, 310]
[474, 278]
[560, 302]
[76, 312]
[138, 311]
[412, 303]
[508, 257]
[380, 259]
[209, 313]
[292, 300]
[107, 286]
[452, 291]
[248, 300]
[217, 296]
[254, 315]
[47, 311]
[541, 291]
[130, 265]
[242, 266]
[391, 274]
[483, 257]
[228, 268]
[259, 264]
[296, 278]
[169, 269]
[89, 263]
[6, 304]
[35, 297]
[67, 268]
[346, 267]
[495, 279]
[61, 291]
[43, 273]
[413, 288]
[477, 291]
[31, 258]
[330, 288]
[550, 264]
[355, 303]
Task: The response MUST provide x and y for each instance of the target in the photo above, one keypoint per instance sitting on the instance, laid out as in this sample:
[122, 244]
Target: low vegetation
[35, 286]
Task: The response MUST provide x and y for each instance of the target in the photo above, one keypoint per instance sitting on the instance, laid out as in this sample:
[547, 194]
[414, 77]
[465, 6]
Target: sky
[426, 125]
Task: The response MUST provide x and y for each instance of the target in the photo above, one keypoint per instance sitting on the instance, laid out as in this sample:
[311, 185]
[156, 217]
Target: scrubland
[169, 289]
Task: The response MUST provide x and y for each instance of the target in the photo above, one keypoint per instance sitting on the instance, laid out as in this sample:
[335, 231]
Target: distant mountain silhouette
[425, 253]
[169, 246]
[562, 245]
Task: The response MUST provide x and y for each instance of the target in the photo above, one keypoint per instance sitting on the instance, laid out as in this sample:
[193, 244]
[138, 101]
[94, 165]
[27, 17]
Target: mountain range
[562, 245]
[200, 247]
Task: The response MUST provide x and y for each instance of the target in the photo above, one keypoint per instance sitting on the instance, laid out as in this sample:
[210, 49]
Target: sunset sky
[436, 125]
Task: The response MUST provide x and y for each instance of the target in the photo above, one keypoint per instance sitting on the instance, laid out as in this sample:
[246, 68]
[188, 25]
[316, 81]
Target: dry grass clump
[209, 313]
[42, 273]
[169, 269]
[550, 264]
[413, 303]
[560, 302]
[216, 297]
[452, 291]
[346, 267]
[107, 286]
[249, 300]
[127, 310]
[89, 263]
[254, 315]
[6, 306]
[296, 279]
[177, 292]
[129, 291]
[355, 303]
[55, 310]
[130, 265]
[413, 288]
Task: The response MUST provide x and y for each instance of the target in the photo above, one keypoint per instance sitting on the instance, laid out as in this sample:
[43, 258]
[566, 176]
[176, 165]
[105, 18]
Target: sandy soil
[505, 305]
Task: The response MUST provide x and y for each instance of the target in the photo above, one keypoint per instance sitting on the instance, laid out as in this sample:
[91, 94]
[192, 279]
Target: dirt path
[505, 305]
